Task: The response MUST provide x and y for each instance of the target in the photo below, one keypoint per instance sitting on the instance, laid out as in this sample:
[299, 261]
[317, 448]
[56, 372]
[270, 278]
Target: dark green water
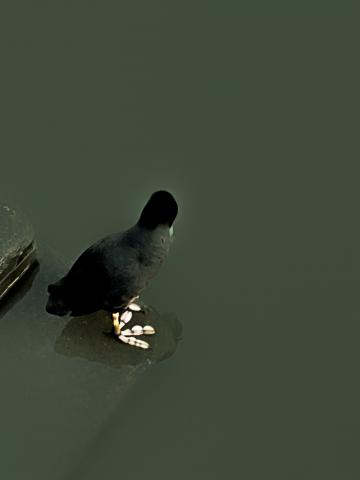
[249, 114]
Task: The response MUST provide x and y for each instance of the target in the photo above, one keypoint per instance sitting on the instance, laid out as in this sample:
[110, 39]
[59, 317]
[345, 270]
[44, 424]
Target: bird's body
[111, 272]
[115, 270]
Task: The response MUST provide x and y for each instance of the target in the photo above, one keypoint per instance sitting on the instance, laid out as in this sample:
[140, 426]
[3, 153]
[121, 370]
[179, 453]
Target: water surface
[249, 116]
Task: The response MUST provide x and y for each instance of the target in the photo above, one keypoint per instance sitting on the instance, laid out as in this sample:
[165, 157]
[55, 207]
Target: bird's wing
[87, 281]
[103, 276]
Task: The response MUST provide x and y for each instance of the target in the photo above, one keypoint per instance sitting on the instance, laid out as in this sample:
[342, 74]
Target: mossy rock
[17, 249]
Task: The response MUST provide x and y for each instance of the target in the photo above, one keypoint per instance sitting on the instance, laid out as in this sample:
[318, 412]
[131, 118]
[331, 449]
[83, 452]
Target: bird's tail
[56, 304]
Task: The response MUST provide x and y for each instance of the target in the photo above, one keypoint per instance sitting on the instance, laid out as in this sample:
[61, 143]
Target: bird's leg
[116, 323]
[124, 319]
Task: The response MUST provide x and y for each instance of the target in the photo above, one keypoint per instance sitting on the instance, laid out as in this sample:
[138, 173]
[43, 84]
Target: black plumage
[117, 268]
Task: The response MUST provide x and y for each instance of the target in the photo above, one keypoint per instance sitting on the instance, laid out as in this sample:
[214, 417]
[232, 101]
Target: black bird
[111, 274]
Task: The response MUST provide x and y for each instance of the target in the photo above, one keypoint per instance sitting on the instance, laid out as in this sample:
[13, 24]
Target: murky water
[249, 117]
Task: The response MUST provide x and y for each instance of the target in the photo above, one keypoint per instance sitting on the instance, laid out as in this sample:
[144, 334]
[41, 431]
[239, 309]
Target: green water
[248, 114]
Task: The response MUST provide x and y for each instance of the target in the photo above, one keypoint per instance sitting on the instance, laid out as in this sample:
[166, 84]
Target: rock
[17, 248]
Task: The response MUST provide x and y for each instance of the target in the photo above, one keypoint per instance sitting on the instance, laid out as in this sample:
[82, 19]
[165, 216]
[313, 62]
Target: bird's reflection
[91, 337]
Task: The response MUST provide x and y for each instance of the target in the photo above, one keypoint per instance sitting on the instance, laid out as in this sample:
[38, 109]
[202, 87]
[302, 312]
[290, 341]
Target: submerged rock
[91, 338]
[17, 248]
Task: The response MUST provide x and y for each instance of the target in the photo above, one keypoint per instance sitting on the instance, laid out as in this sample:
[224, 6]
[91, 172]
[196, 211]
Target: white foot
[134, 307]
[134, 342]
[127, 335]
[138, 330]
[124, 319]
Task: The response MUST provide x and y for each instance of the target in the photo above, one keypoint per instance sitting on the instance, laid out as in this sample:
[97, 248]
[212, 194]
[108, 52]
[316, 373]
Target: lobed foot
[134, 342]
[132, 306]
[128, 335]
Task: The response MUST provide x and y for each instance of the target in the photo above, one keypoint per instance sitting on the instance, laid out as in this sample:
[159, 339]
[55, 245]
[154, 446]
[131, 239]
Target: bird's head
[161, 209]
